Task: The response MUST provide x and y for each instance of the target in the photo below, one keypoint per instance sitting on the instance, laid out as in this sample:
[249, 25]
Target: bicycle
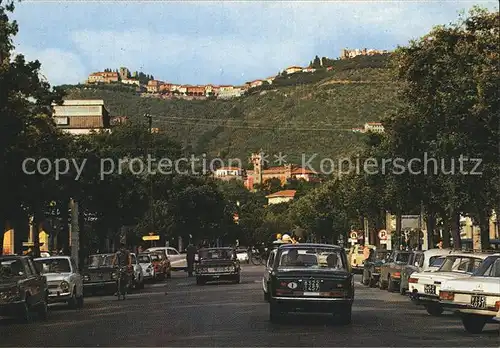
[121, 283]
[257, 258]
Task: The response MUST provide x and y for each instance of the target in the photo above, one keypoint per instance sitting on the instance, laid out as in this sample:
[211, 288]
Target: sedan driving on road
[311, 278]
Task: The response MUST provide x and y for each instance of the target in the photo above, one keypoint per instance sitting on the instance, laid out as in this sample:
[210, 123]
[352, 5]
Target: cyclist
[123, 260]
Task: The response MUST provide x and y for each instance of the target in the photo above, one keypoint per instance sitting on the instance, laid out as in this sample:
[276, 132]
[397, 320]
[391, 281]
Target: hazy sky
[214, 42]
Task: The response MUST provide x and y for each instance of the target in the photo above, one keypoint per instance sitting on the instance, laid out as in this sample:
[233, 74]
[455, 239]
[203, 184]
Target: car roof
[309, 245]
[102, 254]
[12, 257]
[54, 257]
[436, 251]
[217, 248]
[476, 255]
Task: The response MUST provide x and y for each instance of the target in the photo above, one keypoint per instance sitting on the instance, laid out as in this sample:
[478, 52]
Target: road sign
[28, 244]
[150, 237]
[382, 234]
[354, 235]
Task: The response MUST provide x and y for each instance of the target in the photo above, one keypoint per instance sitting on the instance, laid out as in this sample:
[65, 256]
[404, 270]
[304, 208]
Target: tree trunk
[431, 226]
[3, 225]
[63, 233]
[37, 221]
[455, 230]
[484, 226]
[446, 232]
[21, 227]
[398, 228]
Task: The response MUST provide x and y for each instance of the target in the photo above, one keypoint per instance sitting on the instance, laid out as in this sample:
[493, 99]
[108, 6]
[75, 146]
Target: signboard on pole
[353, 237]
[150, 238]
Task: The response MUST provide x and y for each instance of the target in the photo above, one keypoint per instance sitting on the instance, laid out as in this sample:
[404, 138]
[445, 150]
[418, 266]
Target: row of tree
[168, 205]
[450, 115]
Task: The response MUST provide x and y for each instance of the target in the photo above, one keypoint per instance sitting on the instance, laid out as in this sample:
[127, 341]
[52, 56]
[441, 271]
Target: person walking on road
[190, 258]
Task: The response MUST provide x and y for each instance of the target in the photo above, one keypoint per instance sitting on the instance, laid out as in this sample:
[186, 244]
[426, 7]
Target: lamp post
[150, 145]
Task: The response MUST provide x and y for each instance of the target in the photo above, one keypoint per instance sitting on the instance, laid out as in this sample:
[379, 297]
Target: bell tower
[257, 167]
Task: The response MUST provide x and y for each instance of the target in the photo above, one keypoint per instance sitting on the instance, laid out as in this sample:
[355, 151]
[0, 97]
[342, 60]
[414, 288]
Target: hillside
[300, 113]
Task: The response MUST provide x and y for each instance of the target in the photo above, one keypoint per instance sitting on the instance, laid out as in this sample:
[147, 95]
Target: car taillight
[397, 274]
[446, 295]
[413, 280]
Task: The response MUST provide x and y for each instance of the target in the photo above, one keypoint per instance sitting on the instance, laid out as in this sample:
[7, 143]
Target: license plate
[311, 293]
[478, 301]
[430, 289]
[311, 286]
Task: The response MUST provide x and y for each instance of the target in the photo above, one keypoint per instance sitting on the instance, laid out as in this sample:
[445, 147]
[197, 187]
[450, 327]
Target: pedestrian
[190, 258]
[139, 249]
[439, 245]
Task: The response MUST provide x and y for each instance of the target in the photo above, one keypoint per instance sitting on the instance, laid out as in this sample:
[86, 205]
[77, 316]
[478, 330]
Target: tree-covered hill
[300, 113]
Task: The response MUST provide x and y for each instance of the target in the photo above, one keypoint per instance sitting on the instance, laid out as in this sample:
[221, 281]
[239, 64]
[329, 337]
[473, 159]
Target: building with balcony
[281, 197]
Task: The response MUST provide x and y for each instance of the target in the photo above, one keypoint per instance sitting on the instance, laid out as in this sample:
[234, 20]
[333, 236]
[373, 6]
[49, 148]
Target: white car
[477, 298]
[424, 286]
[177, 260]
[242, 255]
[148, 269]
[64, 282]
[138, 281]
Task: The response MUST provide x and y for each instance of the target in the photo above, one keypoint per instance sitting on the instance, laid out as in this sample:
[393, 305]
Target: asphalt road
[180, 313]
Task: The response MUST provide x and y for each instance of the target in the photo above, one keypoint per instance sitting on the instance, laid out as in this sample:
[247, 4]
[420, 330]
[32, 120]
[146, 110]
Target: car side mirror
[21, 273]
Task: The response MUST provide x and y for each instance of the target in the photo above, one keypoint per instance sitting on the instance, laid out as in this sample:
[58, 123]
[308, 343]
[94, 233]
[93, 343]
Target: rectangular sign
[150, 237]
[28, 244]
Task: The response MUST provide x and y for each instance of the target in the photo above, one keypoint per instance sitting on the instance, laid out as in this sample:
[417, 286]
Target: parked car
[390, 271]
[371, 267]
[161, 265]
[64, 282]
[23, 290]
[138, 277]
[421, 261]
[476, 298]
[217, 264]
[99, 275]
[311, 278]
[357, 257]
[177, 260]
[148, 269]
[242, 254]
[425, 286]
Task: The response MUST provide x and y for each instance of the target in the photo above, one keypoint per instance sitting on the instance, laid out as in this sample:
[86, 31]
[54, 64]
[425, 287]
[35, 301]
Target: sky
[220, 42]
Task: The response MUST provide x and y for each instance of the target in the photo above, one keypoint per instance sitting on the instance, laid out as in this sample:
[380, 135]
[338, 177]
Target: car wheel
[434, 309]
[43, 310]
[72, 303]
[266, 296]
[390, 285]
[169, 274]
[402, 290]
[237, 279]
[381, 284]
[275, 314]
[25, 312]
[79, 301]
[473, 323]
[344, 318]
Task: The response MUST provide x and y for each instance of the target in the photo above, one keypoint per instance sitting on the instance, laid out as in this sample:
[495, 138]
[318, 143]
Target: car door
[35, 281]
[176, 259]
[268, 270]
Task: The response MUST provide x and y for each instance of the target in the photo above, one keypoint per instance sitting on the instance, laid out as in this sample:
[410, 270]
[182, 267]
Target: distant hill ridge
[298, 114]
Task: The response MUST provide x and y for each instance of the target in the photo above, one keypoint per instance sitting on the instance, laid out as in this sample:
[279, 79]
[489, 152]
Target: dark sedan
[310, 278]
[217, 264]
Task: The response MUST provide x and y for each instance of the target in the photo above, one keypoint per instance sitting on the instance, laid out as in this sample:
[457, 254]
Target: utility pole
[75, 231]
[150, 145]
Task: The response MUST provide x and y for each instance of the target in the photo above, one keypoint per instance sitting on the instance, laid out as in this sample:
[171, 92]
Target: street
[180, 313]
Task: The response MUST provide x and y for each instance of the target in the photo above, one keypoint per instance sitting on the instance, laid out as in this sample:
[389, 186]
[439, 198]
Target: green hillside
[301, 113]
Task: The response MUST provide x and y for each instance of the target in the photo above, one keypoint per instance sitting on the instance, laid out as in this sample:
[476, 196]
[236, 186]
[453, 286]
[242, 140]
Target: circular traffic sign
[382, 234]
[354, 235]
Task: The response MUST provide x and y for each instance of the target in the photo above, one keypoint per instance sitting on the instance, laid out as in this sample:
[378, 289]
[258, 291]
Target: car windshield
[155, 257]
[460, 264]
[311, 258]
[100, 260]
[381, 256]
[216, 254]
[402, 257]
[489, 268]
[144, 259]
[53, 265]
[10, 269]
[436, 261]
